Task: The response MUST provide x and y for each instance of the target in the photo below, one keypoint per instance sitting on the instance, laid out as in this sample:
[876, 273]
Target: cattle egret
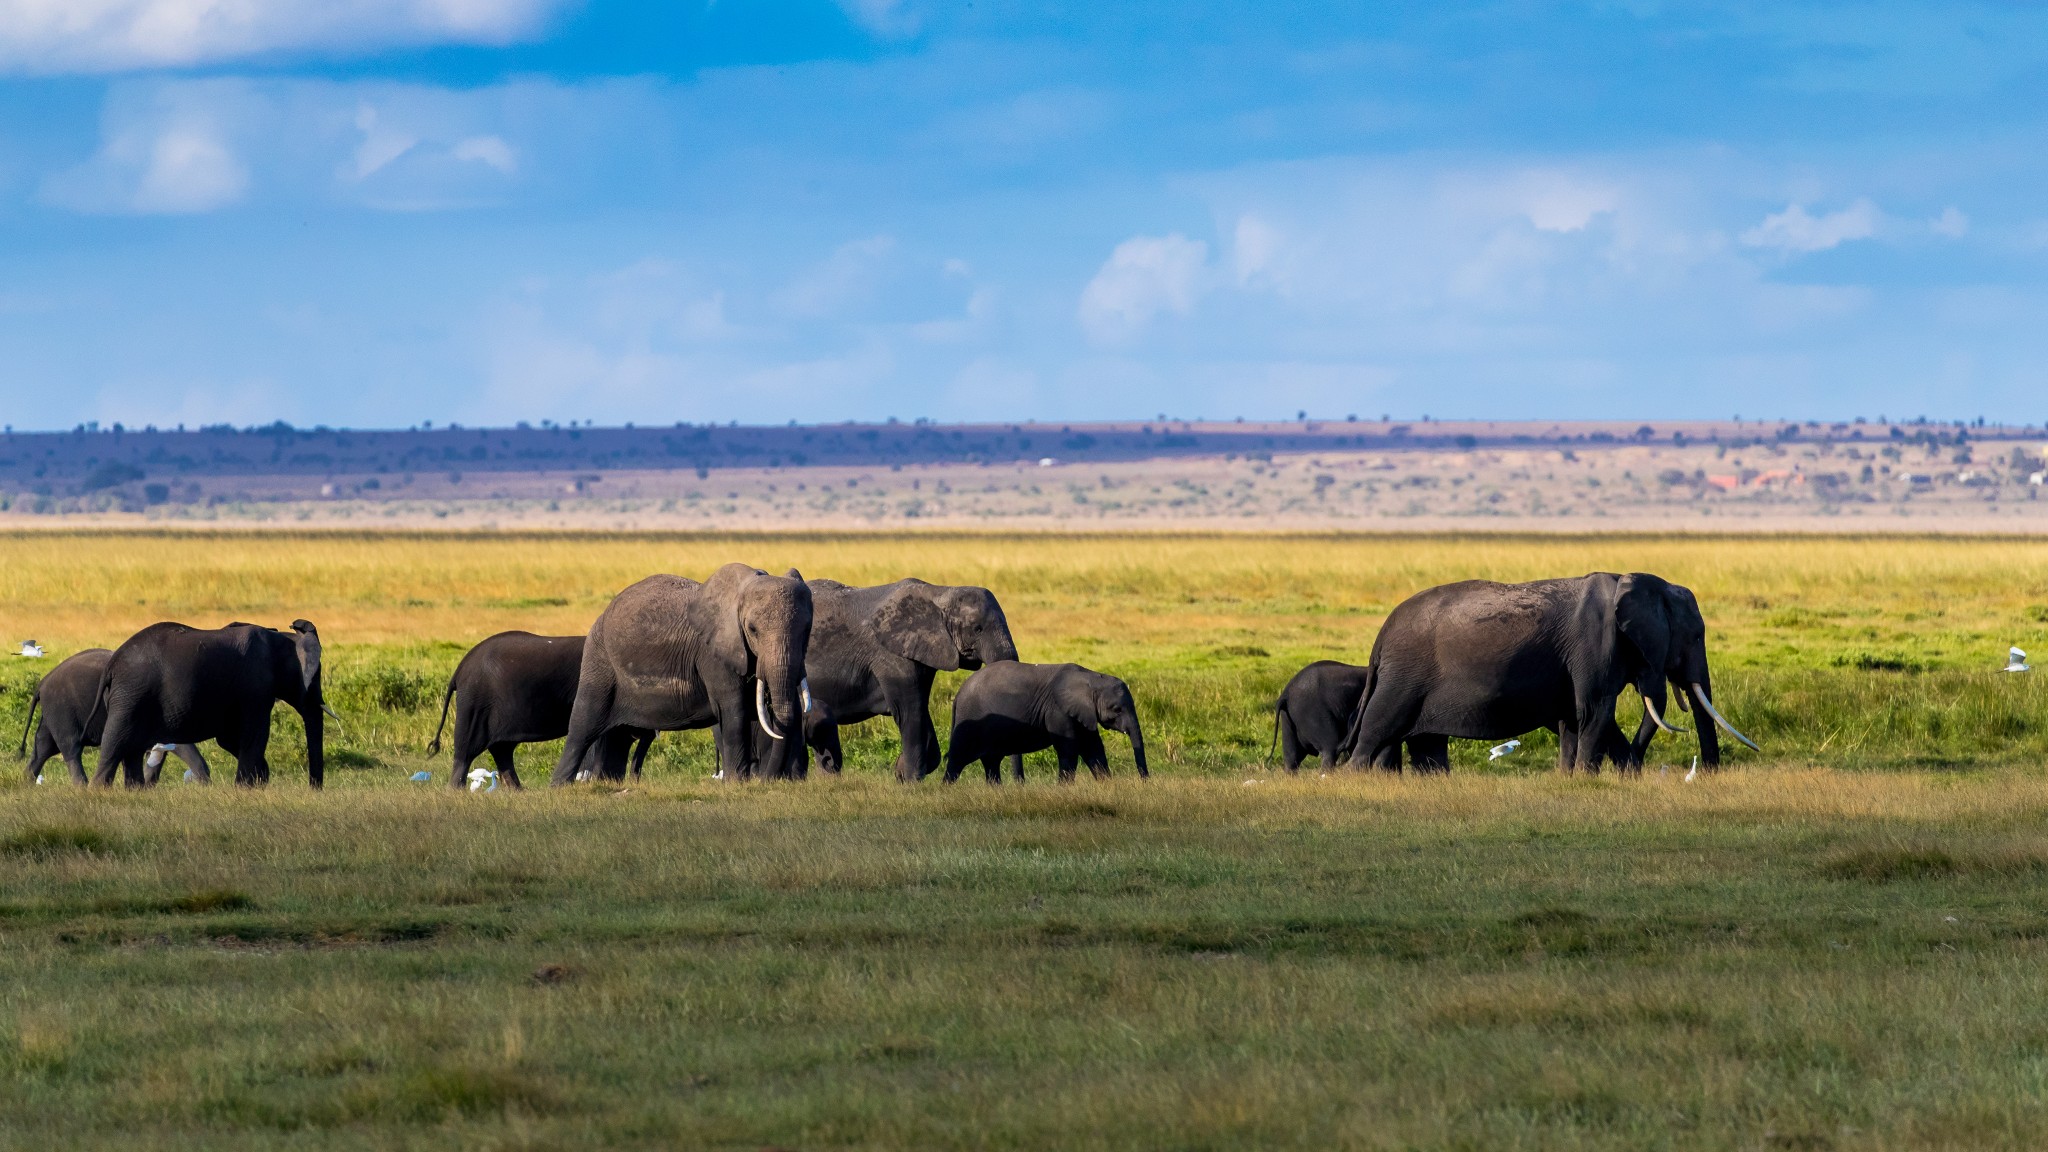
[155, 759]
[31, 649]
[2016, 661]
[483, 780]
[1500, 750]
[421, 777]
[1695, 769]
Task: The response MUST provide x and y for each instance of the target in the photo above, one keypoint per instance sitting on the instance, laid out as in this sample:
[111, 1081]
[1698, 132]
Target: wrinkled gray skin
[67, 694]
[1487, 661]
[175, 684]
[821, 735]
[1315, 713]
[874, 652]
[1009, 708]
[670, 653]
[518, 688]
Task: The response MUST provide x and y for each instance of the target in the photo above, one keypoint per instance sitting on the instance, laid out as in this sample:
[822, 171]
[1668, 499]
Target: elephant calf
[67, 695]
[1317, 709]
[518, 688]
[1010, 708]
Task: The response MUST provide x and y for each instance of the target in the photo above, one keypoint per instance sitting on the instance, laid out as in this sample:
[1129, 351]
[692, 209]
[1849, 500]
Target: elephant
[175, 684]
[821, 735]
[1315, 712]
[1010, 708]
[875, 651]
[67, 694]
[670, 653]
[1486, 661]
[518, 688]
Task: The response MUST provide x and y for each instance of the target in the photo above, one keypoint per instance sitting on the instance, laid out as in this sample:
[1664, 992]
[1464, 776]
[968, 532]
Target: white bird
[155, 759]
[31, 649]
[2016, 661]
[190, 776]
[479, 777]
[1500, 750]
[718, 775]
[1695, 770]
[421, 777]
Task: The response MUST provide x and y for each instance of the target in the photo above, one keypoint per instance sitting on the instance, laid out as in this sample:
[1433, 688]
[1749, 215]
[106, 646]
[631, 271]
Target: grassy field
[1837, 945]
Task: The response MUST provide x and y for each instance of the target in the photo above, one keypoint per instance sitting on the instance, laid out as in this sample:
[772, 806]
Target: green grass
[1839, 944]
[1766, 959]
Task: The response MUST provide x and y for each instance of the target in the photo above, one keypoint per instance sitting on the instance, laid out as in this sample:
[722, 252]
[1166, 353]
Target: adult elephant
[1487, 661]
[518, 688]
[67, 695]
[176, 684]
[875, 651]
[670, 653]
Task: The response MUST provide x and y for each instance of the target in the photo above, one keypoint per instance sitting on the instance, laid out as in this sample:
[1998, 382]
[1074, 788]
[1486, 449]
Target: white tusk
[1722, 720]
[803, 690]
[761, 709]
[1659, 720]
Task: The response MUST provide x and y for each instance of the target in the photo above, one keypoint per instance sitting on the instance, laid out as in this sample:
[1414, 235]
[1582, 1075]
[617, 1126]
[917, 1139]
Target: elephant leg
[1567, 746]
[1089, 745]
[643, 739]
[1291, 751]
[1382, 724]
[252, 762]
[501, 756]
[960, 755]
[992, 768]
[461, 755]
[1388, 759]
[1594, 719]
[920, 740]
[1430, 754]
[1068, 756]
[612, 754]
[588, 719]
[1327, 759]
[189, 753]
[1017, 766]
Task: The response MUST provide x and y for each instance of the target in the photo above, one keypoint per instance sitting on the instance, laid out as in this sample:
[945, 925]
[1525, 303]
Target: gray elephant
[67, 695]
[518, 688]
[176, 684]
[875, 651]
[670, 653]
[1315, 713]
[1009, 708]
[1487, 661]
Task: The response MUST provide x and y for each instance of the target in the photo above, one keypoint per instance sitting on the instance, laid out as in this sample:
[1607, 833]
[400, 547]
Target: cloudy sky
[376, 212]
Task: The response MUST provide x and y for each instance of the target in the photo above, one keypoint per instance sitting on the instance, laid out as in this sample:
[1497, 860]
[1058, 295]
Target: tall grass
[1853, 652]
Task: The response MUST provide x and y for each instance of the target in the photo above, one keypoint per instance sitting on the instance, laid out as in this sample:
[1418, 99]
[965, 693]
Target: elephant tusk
[761, 709]
[327, 708]
[1659, 720]
[803, 692]
[1722, 720]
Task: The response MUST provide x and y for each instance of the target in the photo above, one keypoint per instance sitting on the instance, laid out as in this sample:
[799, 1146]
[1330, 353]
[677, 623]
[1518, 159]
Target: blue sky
[376, 212]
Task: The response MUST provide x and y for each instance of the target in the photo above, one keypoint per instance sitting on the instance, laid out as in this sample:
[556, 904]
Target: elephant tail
[35, 697]
[1273, 749]
[448, 697]
[99, 699]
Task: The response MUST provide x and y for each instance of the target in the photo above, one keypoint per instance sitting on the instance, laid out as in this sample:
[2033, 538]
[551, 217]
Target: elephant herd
[775, 665]
[1488, 661]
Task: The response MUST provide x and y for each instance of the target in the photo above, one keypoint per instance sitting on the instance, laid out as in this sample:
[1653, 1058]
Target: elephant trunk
[1000, 647]
[1129, 727]
[314, 716]
[779, 692]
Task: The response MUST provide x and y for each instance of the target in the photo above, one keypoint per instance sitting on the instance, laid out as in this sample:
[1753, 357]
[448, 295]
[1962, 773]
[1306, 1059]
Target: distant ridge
[90, 459]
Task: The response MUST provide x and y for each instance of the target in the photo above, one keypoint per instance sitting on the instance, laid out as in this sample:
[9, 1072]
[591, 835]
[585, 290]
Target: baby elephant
[1010, 708]
[1315, 714]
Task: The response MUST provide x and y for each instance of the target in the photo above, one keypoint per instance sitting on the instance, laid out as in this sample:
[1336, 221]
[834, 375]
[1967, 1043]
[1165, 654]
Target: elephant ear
[308, 645]
[1640, 614]
[910, 624]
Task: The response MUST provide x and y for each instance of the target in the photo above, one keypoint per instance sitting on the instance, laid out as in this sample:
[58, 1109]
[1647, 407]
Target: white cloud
[58, 36]
[491, 151]
[888, 18]
[1952, 223]
[1558, 202]
[1254, 249]
[843, 281]
[189, 170]
[1797, 230]
[1144, 277]
[380, 145]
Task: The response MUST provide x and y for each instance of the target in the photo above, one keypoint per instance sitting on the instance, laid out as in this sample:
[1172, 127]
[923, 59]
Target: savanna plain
[1839, 943]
